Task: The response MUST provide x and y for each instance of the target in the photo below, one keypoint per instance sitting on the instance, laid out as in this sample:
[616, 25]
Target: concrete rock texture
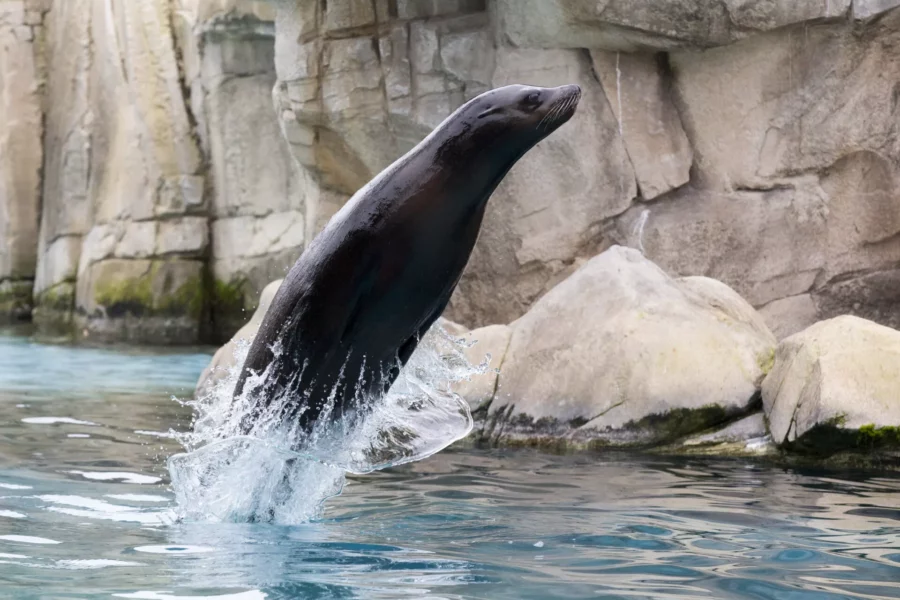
[753, 141]
[835, 384]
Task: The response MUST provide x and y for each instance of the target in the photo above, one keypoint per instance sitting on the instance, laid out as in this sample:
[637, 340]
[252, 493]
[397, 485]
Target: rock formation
[750, 141]
[21, 153]
[834, 386]
[621, 353]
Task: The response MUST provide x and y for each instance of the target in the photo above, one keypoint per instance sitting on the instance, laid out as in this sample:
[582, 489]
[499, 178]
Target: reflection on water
[89, 517]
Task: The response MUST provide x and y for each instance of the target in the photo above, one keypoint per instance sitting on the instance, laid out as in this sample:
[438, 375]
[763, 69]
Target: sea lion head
[525, 111]
[504, 123]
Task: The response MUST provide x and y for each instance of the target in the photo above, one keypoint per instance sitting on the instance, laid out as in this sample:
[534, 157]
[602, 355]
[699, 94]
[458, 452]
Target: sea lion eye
[532, 100]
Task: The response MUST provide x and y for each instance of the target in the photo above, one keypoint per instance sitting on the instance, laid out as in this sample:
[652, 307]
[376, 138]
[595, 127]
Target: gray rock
[866, 9]
[21, 131]
[804, 238]
[138, 300]
[622, 353]
[629, 25]
[788, 102]
[750, 430]
[636, 87]
[790, 315]
[842, 373]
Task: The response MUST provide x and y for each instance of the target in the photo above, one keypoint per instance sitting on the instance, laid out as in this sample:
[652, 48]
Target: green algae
[143, 296]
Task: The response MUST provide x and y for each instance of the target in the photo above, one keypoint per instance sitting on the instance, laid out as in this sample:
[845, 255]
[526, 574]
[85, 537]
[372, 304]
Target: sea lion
[358, 300]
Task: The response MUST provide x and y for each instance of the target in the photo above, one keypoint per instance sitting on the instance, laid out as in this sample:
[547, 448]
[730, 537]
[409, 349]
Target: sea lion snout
[560, 108]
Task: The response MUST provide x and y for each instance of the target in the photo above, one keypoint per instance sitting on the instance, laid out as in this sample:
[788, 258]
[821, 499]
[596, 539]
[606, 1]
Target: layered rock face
[835, 384]
[21, 154]
[751, 141]
[754, 142]
[169, 198]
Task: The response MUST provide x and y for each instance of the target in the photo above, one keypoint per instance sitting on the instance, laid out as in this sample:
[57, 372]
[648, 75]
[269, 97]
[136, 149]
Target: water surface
[85, 512]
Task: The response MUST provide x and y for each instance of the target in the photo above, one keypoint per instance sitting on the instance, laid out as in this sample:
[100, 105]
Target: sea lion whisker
[544, 120]
[550, 117]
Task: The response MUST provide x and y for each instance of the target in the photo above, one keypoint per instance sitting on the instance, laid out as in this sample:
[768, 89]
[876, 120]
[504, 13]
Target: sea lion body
[355, 304]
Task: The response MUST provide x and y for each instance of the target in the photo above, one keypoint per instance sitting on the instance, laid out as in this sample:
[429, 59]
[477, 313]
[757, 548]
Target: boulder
[621, 353]
[866, 9]
[835, 385]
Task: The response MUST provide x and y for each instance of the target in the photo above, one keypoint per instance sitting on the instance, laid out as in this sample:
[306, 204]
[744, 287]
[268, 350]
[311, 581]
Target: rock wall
[753, 141]
[21, 153]
[169, 198]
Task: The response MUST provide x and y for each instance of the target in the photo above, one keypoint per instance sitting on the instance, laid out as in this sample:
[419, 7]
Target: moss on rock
[162, 291]
[16, 300]
[519, 430]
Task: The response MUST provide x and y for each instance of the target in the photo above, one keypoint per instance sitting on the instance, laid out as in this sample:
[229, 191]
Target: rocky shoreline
[621, 356]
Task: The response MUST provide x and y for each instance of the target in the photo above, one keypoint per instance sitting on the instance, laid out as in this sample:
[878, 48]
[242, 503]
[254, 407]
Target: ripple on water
[176, 550]
[56, 421]
[27, 539]
[90, 508]
[136, 478]
[251, 595]
[461, 525]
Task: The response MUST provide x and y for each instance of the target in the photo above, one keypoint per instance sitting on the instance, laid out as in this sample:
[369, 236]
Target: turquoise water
[85, 512]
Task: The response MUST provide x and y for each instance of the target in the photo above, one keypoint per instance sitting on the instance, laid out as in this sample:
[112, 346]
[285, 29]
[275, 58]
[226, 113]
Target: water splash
[266, 475]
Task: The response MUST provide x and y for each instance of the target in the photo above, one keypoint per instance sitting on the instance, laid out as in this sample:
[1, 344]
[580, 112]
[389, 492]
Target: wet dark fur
[355, 304]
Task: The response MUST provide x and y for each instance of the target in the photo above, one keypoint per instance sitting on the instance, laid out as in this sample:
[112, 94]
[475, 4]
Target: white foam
[78, 435]
[13, 486]
[12, 515]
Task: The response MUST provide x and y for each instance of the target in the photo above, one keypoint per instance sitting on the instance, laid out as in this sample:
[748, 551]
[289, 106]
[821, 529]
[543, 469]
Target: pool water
[85, 512]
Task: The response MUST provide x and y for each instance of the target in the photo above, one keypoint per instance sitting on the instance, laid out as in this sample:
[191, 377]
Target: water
[279, 474]
[90, 517]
